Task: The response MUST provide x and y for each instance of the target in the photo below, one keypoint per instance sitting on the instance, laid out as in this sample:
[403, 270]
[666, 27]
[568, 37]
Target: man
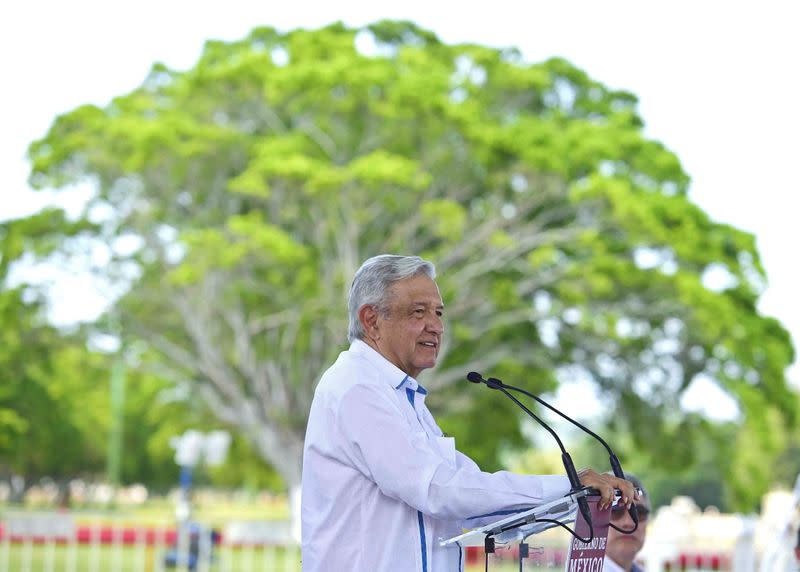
[622, 548]
[381, 484]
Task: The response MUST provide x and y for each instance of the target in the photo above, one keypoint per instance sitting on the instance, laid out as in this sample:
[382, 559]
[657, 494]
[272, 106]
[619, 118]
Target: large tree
[238, 197]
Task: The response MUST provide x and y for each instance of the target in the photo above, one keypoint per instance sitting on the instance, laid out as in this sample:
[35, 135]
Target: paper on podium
[516, 527]
[589, 555]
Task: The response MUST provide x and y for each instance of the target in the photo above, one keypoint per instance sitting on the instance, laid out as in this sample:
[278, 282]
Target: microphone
[616, 468]
[569, 466]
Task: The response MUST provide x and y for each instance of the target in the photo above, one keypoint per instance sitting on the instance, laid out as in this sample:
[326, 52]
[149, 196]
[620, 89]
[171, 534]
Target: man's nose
[435, 324]
[625, 520]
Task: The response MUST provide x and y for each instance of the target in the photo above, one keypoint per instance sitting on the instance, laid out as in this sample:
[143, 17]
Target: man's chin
[427, 360]
[629, 546]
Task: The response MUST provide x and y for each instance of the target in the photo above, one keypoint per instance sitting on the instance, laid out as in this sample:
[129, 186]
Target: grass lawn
[82, 558]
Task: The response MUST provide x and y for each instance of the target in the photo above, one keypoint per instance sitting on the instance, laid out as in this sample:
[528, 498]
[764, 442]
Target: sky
[717, 83]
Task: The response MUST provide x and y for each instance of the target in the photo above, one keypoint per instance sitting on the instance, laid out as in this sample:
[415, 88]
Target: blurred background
[188, 189]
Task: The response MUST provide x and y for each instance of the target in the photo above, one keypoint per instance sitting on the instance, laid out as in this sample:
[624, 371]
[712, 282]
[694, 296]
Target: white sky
[718, 83]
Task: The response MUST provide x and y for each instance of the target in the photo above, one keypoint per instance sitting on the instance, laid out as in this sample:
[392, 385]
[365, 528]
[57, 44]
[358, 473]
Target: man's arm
[404, 465]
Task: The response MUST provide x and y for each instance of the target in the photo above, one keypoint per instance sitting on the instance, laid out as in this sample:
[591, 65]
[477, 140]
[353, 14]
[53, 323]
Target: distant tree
[705, 479]
[786, 470]
[55, 413]
[41, 418]
[156, 412]
[238, 198]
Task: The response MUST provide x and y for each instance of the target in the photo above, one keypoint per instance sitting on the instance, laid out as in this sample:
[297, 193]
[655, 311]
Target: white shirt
[381, 484]
[611, 566]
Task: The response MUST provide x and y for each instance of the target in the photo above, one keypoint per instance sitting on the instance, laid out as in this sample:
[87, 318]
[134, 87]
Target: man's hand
[605, 485]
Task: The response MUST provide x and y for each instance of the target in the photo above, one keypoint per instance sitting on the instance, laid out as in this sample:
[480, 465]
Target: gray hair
[373, 282]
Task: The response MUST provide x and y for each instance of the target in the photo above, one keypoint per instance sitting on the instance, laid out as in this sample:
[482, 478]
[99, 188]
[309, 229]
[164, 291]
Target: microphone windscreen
[474, 377]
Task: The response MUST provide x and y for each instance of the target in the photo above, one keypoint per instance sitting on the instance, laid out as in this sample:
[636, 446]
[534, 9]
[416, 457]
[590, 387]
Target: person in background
[622, 548]
[381, 484]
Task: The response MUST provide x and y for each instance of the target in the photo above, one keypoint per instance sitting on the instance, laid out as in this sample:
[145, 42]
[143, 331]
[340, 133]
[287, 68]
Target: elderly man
[622, 548]
[381, 484]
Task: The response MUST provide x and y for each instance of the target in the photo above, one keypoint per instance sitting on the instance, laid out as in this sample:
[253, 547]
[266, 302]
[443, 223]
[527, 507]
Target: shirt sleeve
[404, 464]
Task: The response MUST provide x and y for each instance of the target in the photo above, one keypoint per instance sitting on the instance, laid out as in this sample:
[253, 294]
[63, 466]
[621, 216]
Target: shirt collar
[392, 374]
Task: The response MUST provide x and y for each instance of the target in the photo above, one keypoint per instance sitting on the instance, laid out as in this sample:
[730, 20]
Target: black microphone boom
[569, 466]
[616, 467]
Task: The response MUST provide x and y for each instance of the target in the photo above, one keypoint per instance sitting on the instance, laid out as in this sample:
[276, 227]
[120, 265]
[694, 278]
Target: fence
[54, 542]
[47, 542]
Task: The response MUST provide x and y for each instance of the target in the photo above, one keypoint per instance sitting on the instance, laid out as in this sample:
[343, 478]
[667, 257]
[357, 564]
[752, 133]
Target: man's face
[622, 548]
[411, 334]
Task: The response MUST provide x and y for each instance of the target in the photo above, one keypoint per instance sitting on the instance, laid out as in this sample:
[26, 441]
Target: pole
[114, 457]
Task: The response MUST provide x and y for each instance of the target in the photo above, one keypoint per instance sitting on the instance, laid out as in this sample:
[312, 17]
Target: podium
[516, 528]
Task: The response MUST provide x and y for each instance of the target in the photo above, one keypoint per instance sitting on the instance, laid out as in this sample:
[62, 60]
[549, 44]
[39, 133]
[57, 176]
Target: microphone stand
[569, 466]
[616, 468]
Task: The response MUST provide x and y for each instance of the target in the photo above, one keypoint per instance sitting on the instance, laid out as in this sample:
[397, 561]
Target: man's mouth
[429, 344]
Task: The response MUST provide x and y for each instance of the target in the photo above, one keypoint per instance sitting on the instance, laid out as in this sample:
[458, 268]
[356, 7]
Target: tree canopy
[237, 198]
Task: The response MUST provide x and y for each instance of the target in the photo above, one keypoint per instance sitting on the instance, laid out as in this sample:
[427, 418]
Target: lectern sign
[588, 556]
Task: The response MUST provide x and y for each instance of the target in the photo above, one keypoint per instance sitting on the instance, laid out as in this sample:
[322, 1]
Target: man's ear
[368, 316]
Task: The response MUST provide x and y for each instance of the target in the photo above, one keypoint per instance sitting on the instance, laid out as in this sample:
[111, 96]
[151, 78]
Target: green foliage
[55, 414]
[245, 468]
[48, 415]
[155, 413]
[260, 178]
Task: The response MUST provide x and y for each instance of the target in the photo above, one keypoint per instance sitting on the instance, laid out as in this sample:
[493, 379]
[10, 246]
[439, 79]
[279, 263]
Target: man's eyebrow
[437, 306]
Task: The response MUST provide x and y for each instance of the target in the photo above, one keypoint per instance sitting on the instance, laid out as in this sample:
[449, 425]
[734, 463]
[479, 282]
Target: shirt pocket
[446, 446]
